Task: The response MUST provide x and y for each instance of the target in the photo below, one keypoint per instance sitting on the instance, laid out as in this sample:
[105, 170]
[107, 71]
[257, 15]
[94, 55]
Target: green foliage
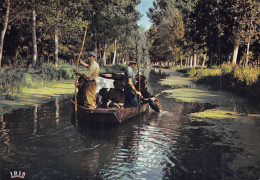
[192, 73]
[49, 73]
[66, 73]
[13, 80]
[198, 73]
[118, 68]
[210, 28]
[227, 68]
[240, 80]
[247, 74]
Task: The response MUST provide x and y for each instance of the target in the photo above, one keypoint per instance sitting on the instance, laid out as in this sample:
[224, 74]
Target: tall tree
[4, 28]
[34, 37]
[251, 25]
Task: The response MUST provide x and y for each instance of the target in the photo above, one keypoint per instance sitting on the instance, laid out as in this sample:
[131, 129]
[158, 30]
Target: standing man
[91, 76]
[129, 89]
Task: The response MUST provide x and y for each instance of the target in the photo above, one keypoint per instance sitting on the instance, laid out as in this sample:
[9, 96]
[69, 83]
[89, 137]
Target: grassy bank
[26, 87]
[244, 81]
[14, 81]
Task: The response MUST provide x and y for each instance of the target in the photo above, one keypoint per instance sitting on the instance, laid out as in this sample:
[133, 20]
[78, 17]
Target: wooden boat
[108, 115]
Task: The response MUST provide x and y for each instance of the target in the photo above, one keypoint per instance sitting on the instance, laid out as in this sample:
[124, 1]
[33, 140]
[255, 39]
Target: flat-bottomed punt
[108, 115]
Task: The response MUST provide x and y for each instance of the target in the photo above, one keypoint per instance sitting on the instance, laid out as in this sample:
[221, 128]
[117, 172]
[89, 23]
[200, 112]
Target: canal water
[45, 142]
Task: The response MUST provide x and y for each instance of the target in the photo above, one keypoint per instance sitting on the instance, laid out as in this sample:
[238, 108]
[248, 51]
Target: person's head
[91, 56]
[132, 63]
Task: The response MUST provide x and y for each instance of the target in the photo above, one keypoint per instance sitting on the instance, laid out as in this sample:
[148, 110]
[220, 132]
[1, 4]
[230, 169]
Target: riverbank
[230, 120]
[227, 105]
[25, 87]
[242, 81]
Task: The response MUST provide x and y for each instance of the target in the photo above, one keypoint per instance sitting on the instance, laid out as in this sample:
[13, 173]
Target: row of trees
[47, 30]
[209, 31]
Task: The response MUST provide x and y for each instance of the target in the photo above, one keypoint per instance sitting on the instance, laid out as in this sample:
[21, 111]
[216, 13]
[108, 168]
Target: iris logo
[17, 174]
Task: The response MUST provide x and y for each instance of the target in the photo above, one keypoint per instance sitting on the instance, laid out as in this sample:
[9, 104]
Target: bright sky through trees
[143, 8]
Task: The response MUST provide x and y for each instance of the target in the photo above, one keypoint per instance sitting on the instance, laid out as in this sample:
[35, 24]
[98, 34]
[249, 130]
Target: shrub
[247, 74]
[49, 73]
[13, 80]
[114, 69]
[192, 73]
[227, 67]
[66, 73]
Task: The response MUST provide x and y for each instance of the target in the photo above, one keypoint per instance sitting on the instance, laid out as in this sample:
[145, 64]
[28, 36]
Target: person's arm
[82, 75]
[130, 82]
[83, 63]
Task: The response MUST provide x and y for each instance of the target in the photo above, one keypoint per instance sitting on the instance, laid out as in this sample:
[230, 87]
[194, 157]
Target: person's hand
[139, 93]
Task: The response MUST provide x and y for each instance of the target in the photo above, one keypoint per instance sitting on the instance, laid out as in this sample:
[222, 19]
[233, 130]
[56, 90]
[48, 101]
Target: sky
[143, 8]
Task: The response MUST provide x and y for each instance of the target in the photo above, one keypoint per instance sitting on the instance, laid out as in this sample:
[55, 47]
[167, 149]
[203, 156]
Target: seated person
[143, 86]
[147, 97]
[102, 98]
[116, 94]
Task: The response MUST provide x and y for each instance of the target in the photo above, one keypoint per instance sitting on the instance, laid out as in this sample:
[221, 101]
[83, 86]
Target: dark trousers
[130, 97]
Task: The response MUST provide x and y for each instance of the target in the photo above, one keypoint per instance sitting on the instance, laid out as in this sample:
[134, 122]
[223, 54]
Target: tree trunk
[34, 59]
[247, 53]
[96, 45]
[118, 58]
[104, 55]
[191, 58]
[114, 58]
[5, 23]
[56, 46]
[120, 55]
[203, 63]
[195, 58]
[210, 59]
[235, 52]
[204, 60]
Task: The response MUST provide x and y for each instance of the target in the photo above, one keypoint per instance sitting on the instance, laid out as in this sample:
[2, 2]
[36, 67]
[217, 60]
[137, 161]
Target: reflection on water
[35, 119]
[46, 142]
[57, 107]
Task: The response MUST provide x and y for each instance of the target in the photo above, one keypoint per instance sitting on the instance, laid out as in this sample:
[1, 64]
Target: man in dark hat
[91, 76]
[129, 89]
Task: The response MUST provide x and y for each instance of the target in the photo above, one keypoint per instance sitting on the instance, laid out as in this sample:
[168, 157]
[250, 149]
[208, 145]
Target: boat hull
[108, 115]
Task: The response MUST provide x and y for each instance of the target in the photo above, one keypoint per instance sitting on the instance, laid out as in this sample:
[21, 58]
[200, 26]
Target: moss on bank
[229, 106]
[32, 96]
[177, 82]
[222, 114]
[243, 81]
[14, 80]
[23, 87]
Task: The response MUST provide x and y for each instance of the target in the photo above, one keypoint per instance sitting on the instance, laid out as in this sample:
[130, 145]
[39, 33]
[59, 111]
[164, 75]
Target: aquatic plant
[113, 69]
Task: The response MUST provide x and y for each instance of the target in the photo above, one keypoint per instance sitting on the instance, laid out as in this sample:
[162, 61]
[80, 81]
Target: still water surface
[47, 143]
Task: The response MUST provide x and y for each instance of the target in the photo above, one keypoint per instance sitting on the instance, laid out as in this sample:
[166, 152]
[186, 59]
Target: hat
[132, 62]
[91, 53]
